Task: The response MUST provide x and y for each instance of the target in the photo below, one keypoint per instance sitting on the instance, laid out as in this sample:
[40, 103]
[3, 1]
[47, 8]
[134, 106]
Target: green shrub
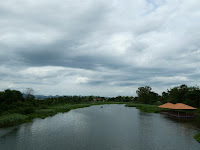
[44, 107]
[12, 119]
[45, 111]
[23, 110]
[197, 137]
[145, 107]
[62, 109]
[29, 110]
[42, 113]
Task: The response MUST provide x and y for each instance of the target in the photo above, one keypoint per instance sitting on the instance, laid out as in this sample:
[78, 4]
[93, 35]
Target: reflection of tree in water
[145, 126]
[187, 123]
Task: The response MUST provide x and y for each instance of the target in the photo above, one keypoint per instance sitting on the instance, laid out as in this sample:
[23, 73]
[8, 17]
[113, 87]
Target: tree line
[13, 99]
[178, 94]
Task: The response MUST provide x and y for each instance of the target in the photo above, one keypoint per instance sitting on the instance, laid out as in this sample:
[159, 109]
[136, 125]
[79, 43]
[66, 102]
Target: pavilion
[178, 110]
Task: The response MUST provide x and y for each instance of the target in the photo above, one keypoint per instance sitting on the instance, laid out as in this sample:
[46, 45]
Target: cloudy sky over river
[99, 47]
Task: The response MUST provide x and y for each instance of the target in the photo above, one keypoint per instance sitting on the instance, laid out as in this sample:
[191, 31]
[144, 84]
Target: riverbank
[13, 117]
[145, 107]
[197, 137]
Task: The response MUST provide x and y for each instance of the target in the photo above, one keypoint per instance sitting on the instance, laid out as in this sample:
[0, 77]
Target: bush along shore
[145, 107]
[197, 137]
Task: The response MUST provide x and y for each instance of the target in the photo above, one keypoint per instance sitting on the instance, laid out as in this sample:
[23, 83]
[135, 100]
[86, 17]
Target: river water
[107, 127]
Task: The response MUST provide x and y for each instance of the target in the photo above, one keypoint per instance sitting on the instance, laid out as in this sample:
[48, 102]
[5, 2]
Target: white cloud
[41, 71]
[82, 80]
[171, 79]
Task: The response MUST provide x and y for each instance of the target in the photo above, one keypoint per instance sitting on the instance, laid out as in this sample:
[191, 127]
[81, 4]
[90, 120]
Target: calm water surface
[113, 127]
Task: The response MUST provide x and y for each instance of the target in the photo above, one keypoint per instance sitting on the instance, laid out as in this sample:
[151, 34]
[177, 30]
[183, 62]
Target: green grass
[197, 137]
[12, 119]
[145, 107]
[42, 113]
[50, 111]
[75, 106]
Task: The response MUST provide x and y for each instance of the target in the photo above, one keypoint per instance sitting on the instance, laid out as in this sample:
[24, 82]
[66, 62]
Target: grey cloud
[97, 82]
[112, 46]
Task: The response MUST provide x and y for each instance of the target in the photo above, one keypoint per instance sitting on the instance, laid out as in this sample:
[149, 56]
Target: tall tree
[11, 96]
[144, 94]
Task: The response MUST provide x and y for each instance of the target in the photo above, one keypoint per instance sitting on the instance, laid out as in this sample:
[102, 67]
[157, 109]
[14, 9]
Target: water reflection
[96, 128]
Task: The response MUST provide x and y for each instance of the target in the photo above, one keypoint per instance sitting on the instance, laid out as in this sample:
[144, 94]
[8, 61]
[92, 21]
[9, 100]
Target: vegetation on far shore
[145, 107]
[197, 137]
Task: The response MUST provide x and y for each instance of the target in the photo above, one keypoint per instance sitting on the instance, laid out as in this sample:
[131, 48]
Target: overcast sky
[99, 47]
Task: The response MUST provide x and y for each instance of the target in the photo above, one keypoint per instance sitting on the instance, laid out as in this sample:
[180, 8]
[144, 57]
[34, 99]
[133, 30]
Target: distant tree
[91, 98]
[154, 97]
[178, 94]
[193, 97]
[11, 96]
[29, 94]
[1, 97]
[119, 99]
[144, 94]
[128, 99]
[135, 99]
[182, 94]
[164, 98]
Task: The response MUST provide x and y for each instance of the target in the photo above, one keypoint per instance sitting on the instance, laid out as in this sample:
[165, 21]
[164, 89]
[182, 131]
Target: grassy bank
[197, 137]
[22, 115]
[145, 107]
[10, 119]
[50, 111]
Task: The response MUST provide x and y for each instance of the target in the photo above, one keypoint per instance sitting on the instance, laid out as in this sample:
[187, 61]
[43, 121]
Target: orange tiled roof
[167, 105]
[176, 106]
[182, 106]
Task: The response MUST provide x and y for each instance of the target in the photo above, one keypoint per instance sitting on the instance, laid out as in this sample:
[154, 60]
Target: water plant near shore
[11, 119]
[145, 107]
[197, 137]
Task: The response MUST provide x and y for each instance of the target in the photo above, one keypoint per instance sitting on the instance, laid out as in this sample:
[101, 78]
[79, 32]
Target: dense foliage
[183, 94]
[120, 99]
[146, 96]
[15, 102]
[178, 94]
[197, 137]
